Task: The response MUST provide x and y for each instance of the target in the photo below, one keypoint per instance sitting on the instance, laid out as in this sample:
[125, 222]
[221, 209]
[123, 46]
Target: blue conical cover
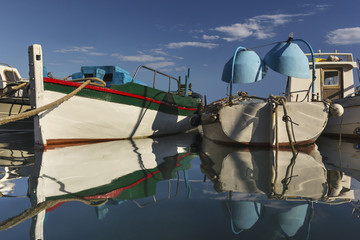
[288, 59]
[248, 68]
[246, 214]
[292, 220]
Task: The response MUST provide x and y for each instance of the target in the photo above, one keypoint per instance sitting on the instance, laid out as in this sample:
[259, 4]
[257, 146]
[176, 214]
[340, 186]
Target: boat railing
[345, 56]
[5, 64]
[155, 75]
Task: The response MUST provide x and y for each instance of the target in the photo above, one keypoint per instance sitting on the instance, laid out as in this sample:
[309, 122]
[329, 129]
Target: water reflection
[104, 173]
[111, 186]
[16, 159]
[275, 187]
[343, 155]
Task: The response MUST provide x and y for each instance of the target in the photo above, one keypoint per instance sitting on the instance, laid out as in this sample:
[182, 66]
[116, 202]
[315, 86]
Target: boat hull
[81, 120]
[259, 124]
[349, 123]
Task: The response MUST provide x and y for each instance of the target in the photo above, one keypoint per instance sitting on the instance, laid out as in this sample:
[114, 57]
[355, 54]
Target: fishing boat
[116, 107]
[274, 121]
[336, 83]
[14, 98]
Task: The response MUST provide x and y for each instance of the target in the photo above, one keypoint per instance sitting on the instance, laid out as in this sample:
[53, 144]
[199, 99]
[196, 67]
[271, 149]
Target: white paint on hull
[254, 123]
[85, 118]
[349, 121]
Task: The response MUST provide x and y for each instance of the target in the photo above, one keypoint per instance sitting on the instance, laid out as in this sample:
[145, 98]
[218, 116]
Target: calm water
[177, 187]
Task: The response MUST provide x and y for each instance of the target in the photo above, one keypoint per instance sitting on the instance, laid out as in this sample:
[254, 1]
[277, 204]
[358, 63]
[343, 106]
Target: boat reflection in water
[16, 159]
[274, 188]
[343, 155]
[104, 173]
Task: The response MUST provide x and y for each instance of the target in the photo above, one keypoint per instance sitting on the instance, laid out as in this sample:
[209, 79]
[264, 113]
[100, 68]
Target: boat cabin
[11, 83]
[8, 75]
[334, 78]
[112, 75]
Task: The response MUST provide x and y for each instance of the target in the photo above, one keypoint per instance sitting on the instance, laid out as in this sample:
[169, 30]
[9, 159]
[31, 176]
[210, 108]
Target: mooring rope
[33, 211]
[43, 108]
[286, 118]
[101, 83]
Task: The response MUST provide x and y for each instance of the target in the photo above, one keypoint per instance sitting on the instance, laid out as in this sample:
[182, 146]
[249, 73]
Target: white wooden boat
[276, 121]
[250, 122]
[336, 83]
[97, 113]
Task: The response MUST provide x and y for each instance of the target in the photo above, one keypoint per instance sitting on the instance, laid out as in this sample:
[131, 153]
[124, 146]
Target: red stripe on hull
[111, 194]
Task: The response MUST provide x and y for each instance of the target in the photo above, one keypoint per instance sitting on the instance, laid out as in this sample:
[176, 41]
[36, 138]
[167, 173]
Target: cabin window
[11, 76]
[331, 78]
[332, 84]
[108, 77]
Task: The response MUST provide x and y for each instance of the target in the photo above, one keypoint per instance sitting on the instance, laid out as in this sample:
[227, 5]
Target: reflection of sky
[331, 81]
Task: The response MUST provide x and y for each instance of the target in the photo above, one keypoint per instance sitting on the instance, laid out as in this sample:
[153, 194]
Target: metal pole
[313, 66]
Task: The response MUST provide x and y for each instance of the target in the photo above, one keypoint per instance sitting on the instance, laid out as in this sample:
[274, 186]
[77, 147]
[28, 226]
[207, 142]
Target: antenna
[358, 70]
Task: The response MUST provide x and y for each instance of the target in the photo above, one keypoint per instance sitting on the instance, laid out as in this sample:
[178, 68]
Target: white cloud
[237, 31]
[178, 27]
[208, 37]
[181, 69]
[96, 54]
[344, 36]
[159, 65]
[191, 44]
[322, 7]
[260, 27]
[138, 58]
[84, 49]
[177, 57]
[197, 31]
[89, 50]
[158, 51]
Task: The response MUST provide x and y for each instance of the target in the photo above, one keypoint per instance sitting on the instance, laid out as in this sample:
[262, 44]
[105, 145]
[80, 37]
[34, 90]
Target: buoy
[336, 110]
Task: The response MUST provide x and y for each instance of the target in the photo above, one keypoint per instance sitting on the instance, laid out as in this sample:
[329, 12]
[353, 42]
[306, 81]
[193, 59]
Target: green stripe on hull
[133, 88]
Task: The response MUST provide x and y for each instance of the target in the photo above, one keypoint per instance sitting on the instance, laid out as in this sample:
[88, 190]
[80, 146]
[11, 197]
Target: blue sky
[172, 36]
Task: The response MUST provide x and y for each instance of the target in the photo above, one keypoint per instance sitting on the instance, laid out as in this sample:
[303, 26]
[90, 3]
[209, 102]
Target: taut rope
[43, 108]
